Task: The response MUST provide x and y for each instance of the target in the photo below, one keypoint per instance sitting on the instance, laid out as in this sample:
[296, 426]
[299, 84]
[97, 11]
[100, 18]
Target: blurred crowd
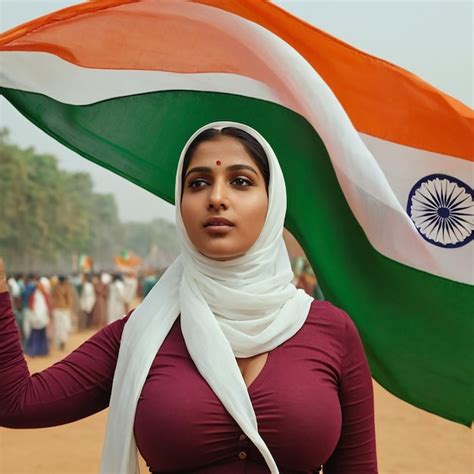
[49, 308]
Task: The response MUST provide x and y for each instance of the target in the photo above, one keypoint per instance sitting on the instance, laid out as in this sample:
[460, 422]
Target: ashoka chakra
[442, 208]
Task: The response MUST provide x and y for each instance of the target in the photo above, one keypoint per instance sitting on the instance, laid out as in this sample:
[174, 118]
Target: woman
[225, 367]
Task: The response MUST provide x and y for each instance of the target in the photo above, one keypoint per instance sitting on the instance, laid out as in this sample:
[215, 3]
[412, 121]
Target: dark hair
[251, 145]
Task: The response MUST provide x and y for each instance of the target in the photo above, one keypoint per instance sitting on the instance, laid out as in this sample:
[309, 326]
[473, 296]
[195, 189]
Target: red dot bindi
[218, 162]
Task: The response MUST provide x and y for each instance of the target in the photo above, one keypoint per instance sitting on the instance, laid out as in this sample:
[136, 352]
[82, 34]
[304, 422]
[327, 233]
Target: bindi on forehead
[218, 162]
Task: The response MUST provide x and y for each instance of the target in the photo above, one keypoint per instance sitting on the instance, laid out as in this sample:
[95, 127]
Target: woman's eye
[242, 182]
[196, 183]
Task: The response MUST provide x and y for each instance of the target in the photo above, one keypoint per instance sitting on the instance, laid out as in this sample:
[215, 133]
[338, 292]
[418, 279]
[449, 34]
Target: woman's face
[223, 182]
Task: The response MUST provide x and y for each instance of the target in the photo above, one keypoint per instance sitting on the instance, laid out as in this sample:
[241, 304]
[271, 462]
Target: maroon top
[313, 400]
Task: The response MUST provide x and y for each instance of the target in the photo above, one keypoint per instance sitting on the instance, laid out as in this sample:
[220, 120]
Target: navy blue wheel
[442, 209]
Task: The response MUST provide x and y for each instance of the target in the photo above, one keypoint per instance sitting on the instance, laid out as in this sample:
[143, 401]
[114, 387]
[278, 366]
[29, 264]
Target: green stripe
[417, 329]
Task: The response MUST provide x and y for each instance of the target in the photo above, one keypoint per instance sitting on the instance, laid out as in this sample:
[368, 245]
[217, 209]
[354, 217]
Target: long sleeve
[74, 388]
[356, 448]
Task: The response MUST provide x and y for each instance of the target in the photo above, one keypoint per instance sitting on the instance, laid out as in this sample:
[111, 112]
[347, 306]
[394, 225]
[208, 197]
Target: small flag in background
[127, 261]
[378, 163]
[85, 263]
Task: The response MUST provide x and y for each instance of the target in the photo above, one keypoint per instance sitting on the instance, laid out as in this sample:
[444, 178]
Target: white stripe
[365, 186]
[403, 167]
[47, 74]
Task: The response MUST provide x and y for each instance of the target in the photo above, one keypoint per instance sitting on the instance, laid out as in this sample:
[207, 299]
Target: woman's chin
[225, 259]
[222, 255]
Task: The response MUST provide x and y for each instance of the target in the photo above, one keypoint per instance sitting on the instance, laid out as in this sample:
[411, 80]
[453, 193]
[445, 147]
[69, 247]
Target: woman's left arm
[356, 449]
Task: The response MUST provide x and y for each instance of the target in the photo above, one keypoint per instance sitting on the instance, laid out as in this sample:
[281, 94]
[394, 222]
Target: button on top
[242, 437]
[242, 455]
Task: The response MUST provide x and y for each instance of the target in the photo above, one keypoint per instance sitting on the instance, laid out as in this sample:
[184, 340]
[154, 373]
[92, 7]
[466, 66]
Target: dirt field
[408, 440]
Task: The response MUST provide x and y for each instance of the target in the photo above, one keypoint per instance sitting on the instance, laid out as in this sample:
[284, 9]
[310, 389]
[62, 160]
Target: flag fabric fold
[378, 163]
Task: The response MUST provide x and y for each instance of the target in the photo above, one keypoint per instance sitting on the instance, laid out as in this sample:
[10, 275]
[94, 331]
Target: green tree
[48, 215]
[105, 238]
[143, 237]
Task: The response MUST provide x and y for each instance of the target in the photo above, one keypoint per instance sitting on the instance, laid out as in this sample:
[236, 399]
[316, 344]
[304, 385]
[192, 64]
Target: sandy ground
[409, 440]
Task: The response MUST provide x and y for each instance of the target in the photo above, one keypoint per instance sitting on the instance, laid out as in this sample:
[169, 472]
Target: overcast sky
[431, 39]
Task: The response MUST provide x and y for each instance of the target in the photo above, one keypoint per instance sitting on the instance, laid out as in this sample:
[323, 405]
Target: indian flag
[127, 261]
[378, 163]
[85, 263]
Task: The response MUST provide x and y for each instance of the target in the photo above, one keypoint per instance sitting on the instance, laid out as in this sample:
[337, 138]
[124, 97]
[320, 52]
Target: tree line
[49, 216]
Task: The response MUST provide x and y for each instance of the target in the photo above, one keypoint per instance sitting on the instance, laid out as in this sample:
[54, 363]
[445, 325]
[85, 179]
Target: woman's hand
[3, 278]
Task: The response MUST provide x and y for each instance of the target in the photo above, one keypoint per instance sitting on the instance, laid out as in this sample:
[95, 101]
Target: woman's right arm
[76, 387]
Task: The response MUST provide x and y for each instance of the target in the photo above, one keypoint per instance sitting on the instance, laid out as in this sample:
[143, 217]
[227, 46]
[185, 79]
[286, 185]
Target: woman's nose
[217, 197]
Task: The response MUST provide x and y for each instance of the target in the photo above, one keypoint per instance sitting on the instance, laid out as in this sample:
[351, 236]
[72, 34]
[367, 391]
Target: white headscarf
[233, 308]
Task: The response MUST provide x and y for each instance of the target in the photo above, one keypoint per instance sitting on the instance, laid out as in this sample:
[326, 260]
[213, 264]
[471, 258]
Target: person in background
[16, 287]
[37, 319]
[61, 301]
[28, 289]
[99, 311]
[130, 283]
[87, 301]
[76, 285]
[105, 278]
[20, 279]
[149, 281]
[46, 284]
[116, 302]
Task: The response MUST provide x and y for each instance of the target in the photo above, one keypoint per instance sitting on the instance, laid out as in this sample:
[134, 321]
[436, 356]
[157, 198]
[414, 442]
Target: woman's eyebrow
[198, 169]
[206, 169]
[241, 167]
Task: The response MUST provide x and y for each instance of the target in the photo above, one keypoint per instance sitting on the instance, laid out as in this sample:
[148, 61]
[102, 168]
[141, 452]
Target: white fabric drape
[234, 308]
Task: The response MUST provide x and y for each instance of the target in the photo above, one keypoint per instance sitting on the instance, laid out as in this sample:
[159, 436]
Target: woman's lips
[218, 229]
[218, 225]
[218, 220]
